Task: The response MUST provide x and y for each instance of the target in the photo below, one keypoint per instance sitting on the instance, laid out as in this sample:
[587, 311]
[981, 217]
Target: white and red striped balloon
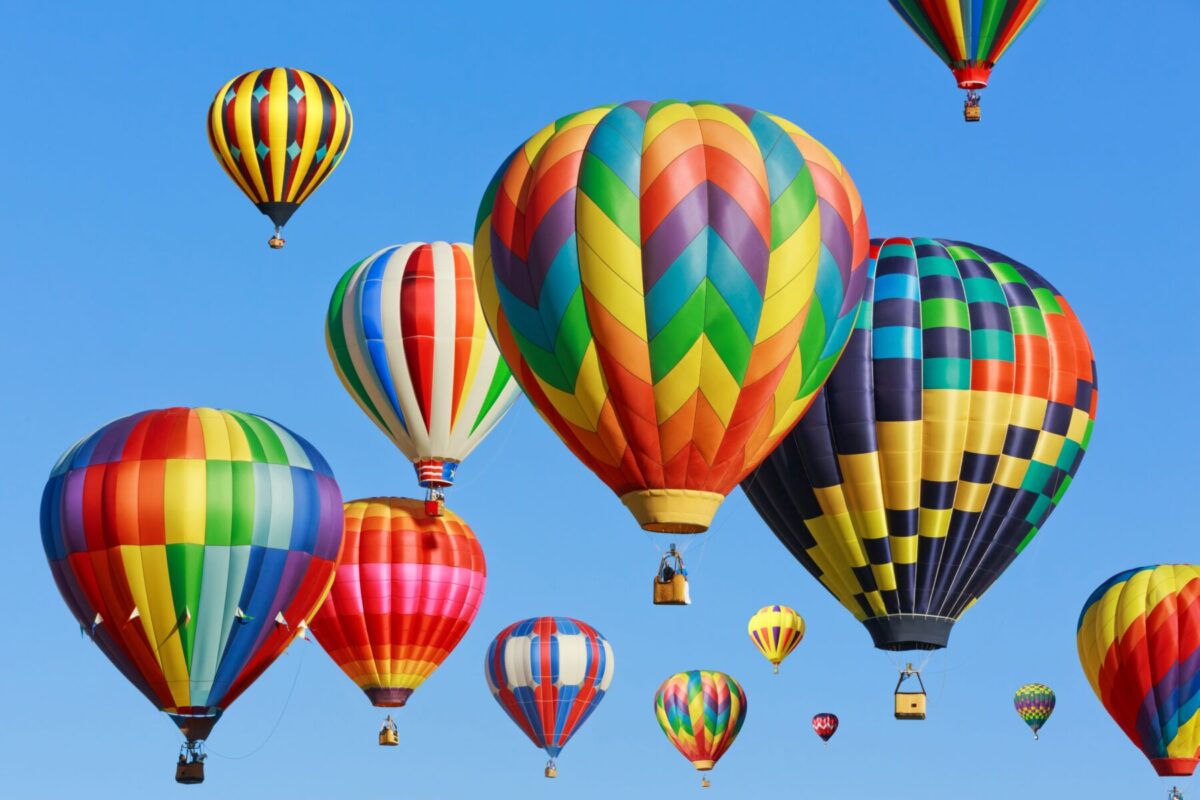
[408, 339]
[825, 725]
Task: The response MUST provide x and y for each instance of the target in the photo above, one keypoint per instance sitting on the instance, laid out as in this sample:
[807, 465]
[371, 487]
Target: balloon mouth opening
[195, 724]
[388, 697]
[673, 510]
[909, 632]
[1174, 767]
[973, 76]
[703, 766]
[278, 212]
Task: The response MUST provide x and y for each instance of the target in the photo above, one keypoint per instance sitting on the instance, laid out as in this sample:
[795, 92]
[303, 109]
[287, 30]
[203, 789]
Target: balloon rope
[275, 727]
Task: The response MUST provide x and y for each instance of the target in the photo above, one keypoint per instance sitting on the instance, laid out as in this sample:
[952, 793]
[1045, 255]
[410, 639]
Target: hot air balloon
[407, 588]
[825, 725]
[278, 133]
[549, 674]
[775, 631]
[671, 284]
[1139, 645]
[1034, 703]
[969, 37]
[701, 712]
[950, 429]
[407, 338]
[194, 545]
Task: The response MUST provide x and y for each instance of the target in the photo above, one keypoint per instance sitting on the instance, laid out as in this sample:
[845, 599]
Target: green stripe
[335, 329]
[1027, 320]
[1048, 302]
[185, 565]
[677, 336]
[219, 499]
[265, 445]
[611, 195]
[723, 330]
[944, 312]
[500, 378]
[793, 206]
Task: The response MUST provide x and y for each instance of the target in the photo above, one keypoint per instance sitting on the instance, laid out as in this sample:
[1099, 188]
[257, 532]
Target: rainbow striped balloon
[407, 338]
[279, 133]
[671, 283]
[1139, 645]
[1034, 703]
[969, 37]
[701, 712]
[194, 544]
[408, 587]
[549, 674]
[776, 631]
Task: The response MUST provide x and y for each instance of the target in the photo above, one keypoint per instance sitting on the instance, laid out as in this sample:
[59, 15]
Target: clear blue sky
[136, 276]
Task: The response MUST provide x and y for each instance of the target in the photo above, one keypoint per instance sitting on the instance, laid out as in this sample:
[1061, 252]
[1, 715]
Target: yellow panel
[1078, 427]
[1048, 448]
[1028, 412]
[150, 580]
[989, 414]
[610, 266]
[793, 259]
[831, 500]
[242, 113]
[677, 386]
[184, 498]
[277, 124]
[885, 577]
[870, 524]
[971, 496]
[904, 549]
[933, 523]
[718, 386]
[314, 110]
[216, 436]
[1010, 472]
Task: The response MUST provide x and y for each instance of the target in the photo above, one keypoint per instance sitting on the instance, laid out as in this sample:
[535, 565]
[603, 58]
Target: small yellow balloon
[775, 631]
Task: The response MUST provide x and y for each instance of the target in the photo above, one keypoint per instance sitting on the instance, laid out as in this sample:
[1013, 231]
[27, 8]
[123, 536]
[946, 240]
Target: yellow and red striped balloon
[671, 284]
[1139, 645]
[279, 133]
[776, 631]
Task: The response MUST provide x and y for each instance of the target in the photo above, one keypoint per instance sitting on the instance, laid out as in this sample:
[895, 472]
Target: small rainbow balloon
[701, 712]
[1035, 703]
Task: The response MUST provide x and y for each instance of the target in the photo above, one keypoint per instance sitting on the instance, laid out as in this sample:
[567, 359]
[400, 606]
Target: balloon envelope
[776, 631]
[1139, 645]
[408, 587]
[947, 434]
[1034, 703]
[701, 712]
[825, 725]
[278, 133]
[968, 37]
[194, 544]
[671, 284]
[407, 338]
[549, 674]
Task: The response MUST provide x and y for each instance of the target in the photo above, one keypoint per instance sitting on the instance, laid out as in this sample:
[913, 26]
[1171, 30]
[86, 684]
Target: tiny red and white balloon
[825, 725]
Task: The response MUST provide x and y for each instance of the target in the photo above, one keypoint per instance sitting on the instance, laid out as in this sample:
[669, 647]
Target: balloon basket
[189, 773]
[971, 113]
[276, 242]
[705, 783]
[435, 507]
[670, 582]
[389, 735]
[910, 705]
[551, 772]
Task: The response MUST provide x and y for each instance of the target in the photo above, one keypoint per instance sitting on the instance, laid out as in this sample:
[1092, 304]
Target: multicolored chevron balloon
[946, 436]
[701, 712]
[671, 283]
[1034, 703]
[776, 631]
[1139, 645]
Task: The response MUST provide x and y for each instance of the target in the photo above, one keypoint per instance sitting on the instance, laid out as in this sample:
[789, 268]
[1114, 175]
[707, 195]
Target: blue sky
[136, 276]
